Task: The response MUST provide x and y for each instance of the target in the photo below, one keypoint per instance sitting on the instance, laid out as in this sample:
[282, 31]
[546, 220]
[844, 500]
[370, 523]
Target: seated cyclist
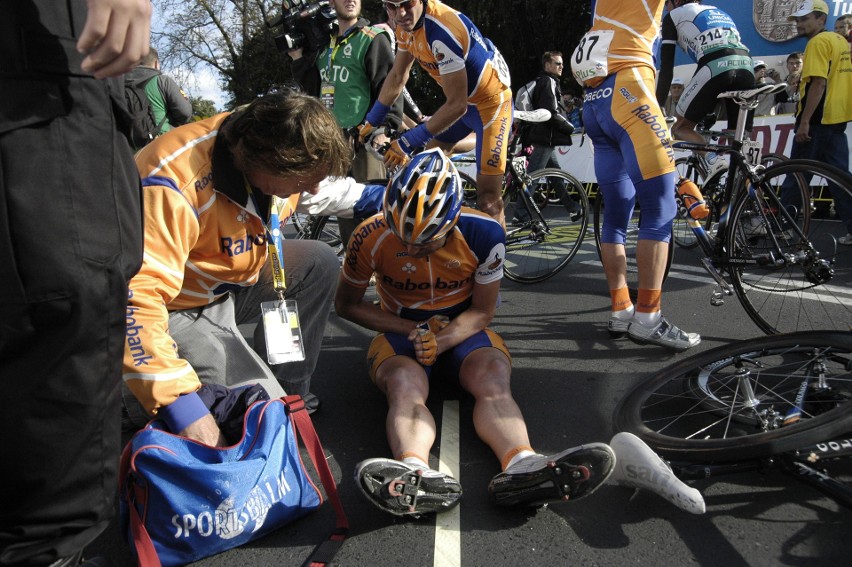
[710, 38]
[438, 268]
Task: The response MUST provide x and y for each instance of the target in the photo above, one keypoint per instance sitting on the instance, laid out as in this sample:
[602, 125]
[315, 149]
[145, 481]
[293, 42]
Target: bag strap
[325, 551]
[145, 550]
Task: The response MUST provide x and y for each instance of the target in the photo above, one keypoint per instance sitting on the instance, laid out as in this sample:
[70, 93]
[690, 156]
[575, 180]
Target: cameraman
[346, 73]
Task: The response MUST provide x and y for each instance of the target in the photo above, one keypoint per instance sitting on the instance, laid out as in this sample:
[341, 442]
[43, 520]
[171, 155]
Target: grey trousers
[209, 337]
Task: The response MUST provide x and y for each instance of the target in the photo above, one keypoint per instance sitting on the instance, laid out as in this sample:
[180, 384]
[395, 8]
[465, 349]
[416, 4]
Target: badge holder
[283, 334]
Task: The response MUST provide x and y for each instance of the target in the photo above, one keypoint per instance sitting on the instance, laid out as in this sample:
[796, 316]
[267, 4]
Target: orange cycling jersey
[203, 238]
[448, 42]
[441, 283]
[630, 38]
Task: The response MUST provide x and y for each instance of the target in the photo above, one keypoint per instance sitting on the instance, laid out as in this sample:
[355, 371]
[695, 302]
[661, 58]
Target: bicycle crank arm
[720, 281]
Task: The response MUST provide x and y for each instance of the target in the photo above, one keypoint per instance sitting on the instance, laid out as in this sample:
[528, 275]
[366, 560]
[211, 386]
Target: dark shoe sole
[572, 475]
[405, 492]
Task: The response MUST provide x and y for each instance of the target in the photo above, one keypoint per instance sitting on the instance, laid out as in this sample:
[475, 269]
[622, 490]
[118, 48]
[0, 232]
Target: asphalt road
[568, 377]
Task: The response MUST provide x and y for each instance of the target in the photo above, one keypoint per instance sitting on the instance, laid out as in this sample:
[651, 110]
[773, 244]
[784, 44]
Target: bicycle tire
[539, 247]
[810, 287]
[700, 396]
[468, 189]
[629, 245]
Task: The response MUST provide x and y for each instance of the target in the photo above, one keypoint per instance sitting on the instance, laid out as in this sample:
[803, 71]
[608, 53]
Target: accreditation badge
[327, 95]
[283, 334]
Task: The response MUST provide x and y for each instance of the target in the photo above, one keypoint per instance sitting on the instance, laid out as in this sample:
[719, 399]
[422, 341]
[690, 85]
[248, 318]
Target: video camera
[306, 24]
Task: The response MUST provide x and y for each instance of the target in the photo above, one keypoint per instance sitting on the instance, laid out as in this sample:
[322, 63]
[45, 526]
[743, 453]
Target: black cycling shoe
[403, 490]
[539, 479]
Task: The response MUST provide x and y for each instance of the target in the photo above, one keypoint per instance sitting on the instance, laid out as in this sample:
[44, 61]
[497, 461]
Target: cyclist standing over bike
[475, 81]
[614, 62]
[710, 38]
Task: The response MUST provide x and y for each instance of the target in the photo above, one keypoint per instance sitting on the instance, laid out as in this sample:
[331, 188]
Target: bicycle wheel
[746, 400]
[629, 244]
[469, 189]
[540, 243]
[791, 278]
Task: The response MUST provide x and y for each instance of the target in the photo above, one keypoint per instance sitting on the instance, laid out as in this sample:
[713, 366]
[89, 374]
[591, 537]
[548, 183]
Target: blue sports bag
[182, 500]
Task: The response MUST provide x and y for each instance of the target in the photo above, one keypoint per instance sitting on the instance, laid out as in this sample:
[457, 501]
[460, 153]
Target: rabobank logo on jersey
[358, 240]
[411, 285]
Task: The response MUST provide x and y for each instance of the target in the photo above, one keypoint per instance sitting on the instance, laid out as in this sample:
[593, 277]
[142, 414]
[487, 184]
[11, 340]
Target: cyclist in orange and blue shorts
[634, 161]
[438, 268]
[475, 81]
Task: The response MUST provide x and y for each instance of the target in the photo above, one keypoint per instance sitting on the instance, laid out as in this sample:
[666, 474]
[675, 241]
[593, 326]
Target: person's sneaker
[312, 403]
[539, 479]
[662, 334]
[638, 466]
[720, 163]
[845, 240]
[403, 490]
[617, 327]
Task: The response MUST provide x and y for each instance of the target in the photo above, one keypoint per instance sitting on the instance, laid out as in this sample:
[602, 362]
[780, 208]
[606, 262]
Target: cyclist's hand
[435, 323]
[364, 131]
[425, 346]
[398, 153]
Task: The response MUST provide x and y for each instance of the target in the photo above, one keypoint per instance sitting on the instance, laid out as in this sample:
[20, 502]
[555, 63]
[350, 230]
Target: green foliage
[231, 37]
[202, 108]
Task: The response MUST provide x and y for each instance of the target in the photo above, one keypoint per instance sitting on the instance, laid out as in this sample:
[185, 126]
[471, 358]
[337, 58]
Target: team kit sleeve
[487, 240]
[364, 247]
[152, 369]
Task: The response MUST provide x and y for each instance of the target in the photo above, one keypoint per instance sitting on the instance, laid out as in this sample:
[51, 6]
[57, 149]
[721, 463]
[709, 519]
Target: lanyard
[333, 46]
[273, 241]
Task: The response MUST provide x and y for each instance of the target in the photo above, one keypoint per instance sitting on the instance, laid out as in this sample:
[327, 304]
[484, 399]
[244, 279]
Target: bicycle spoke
[738, 400]
[790, 278]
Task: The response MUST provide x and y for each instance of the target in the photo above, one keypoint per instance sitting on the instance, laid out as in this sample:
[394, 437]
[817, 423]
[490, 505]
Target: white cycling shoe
[638, 466]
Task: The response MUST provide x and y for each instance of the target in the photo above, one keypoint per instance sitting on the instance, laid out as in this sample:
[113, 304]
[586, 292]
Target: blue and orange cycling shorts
[387, 345]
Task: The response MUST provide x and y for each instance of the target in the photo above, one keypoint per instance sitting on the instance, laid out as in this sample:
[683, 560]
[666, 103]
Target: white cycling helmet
[423, 200]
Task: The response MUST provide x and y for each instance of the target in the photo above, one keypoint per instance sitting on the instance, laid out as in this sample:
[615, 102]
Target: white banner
[774, 132]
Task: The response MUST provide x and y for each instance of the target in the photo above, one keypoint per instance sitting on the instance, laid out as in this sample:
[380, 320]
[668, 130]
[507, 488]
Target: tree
[233, 38]
[202, 108]
[230, 36]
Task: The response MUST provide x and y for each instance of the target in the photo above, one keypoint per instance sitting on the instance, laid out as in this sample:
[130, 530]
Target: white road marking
[448, 524]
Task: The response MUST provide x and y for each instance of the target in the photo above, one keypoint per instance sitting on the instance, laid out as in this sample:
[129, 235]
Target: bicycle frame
[744, 169]
[799, 464]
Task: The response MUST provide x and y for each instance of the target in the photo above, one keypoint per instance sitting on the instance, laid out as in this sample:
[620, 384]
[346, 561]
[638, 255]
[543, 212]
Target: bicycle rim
[539, 244]
[786, 281]
[738, 401]
[629, 244]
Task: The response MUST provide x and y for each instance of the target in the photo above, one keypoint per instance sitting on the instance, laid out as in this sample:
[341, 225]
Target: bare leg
[409, 425]
[497, 418]
[651, 258]
[489, 199]
[614, 260]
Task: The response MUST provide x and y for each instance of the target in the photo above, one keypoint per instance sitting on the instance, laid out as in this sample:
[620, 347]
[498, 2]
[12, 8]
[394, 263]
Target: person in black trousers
[70, 239]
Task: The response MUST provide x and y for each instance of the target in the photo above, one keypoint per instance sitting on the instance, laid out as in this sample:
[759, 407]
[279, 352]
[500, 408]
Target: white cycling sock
[415, 462]
[520, 456]
[648, 319]
[624, 314]
[637, 466]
